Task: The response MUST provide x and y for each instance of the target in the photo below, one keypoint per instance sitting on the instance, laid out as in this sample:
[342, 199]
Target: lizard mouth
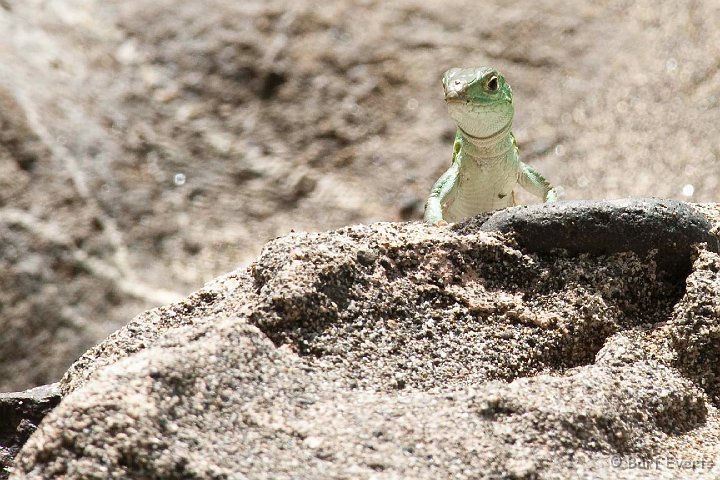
[481, 121]
[455, 100]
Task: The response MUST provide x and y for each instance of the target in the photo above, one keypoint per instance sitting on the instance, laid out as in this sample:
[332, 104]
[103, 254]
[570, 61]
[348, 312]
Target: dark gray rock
[20, 415]
[672, 228]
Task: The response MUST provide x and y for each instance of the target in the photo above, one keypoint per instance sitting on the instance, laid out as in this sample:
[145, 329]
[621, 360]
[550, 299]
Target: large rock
[409, 351]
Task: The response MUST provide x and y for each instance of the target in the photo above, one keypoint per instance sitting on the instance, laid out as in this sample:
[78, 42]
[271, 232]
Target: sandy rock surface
[398, 350]
[149, 146]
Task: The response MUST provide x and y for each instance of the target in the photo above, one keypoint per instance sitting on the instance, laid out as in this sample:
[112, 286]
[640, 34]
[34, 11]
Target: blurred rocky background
[149, 146]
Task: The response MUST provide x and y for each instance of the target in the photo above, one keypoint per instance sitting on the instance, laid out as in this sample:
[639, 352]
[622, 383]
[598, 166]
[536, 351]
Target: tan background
[148, 146]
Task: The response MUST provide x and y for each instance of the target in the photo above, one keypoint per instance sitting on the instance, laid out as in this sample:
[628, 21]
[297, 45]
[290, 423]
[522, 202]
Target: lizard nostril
[459, 86]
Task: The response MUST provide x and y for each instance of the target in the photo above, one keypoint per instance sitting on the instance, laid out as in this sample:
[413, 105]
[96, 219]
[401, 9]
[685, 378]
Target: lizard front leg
[533, 181]
[439, 194]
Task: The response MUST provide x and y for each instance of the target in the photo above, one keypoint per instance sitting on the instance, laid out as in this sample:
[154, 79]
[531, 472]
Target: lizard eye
[492, 84]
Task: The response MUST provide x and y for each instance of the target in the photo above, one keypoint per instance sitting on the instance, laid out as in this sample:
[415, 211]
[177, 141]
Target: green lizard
[485, 165]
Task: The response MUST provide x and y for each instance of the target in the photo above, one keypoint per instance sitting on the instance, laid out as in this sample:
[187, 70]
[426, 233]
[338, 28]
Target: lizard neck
[495, 145]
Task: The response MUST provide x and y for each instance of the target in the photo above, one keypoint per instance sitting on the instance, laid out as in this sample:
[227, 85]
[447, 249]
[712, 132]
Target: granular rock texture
[406, 351]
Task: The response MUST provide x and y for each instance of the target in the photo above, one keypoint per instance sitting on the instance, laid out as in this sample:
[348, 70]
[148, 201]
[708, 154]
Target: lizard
[485, 165]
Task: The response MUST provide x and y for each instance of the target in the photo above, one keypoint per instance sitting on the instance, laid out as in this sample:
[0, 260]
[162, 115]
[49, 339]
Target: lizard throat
[498, 143]
[490, 139]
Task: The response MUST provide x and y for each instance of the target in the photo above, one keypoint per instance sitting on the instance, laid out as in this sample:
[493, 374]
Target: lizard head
[479, 100]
